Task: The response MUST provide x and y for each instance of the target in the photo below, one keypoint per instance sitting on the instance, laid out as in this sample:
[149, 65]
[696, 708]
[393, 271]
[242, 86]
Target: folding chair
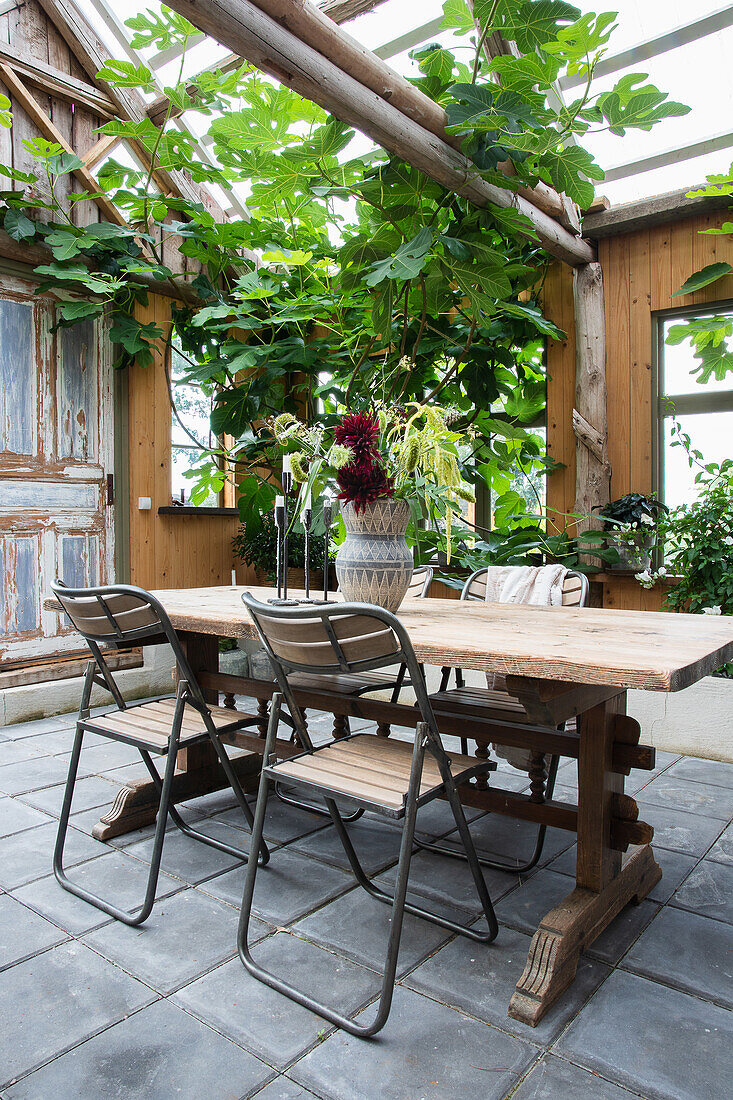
[389, 777]
[119, 616]
[497, 704]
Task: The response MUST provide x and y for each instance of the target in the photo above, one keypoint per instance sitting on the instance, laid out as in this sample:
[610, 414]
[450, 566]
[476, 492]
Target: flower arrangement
[407, 452]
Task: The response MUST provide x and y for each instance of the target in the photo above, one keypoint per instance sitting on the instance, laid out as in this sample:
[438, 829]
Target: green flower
[284, 426]
[411, 454]
[339, 456]
[298, 470]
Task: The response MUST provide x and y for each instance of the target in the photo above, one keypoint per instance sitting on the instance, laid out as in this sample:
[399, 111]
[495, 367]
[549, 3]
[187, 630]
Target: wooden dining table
[559, 663]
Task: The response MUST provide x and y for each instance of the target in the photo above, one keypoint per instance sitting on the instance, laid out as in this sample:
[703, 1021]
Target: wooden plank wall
[641, 271]
[168, 551]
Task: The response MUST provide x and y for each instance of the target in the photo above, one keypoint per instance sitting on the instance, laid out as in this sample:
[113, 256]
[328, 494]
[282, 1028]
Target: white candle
[308, 500]
[279, 502]
[286, 464]
[234, 577]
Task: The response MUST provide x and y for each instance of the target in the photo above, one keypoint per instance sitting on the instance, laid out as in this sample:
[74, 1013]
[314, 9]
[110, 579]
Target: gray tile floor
[92, 1009]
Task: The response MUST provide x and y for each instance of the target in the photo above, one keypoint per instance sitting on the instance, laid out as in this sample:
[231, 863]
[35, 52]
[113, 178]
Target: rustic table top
[651, 650]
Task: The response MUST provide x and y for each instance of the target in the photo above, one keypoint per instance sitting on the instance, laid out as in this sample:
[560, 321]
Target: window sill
[190, 510]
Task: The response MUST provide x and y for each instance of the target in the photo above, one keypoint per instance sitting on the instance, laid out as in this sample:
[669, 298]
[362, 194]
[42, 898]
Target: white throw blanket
[540, 585]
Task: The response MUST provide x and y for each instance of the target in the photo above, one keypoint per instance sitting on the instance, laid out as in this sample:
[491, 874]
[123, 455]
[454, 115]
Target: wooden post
[244, 28]
[593, 470]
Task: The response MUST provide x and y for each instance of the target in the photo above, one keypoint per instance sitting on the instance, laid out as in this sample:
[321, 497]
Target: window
[704, 412]
[190, 429]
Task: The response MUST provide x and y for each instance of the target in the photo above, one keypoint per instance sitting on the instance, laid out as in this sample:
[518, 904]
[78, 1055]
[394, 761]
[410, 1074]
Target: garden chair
[388, 777]
[119, 616]
[355, 685]
[497, 704]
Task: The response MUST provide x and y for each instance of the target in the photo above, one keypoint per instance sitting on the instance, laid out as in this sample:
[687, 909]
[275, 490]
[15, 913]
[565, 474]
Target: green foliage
[708, 337]
[704, 277]
[372, 283]
[256, 545]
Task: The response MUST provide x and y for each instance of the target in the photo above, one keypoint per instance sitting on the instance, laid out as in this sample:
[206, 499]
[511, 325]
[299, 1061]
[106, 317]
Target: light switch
[144, 504]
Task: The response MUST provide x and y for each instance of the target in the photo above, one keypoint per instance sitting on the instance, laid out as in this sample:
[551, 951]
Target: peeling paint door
[56, 449]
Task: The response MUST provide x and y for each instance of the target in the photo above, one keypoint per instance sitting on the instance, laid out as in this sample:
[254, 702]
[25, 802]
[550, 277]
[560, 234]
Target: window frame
[705, 401]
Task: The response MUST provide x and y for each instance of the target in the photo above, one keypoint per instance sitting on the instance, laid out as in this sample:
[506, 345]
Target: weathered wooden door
[56, 449]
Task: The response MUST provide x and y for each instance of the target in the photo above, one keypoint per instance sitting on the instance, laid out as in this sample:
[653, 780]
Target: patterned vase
[374, 563]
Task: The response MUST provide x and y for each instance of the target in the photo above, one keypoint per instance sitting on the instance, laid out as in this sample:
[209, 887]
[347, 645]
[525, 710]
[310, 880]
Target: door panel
[55, 451]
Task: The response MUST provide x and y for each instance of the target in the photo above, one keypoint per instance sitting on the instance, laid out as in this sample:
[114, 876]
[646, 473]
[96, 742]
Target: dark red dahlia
[363, 484]
[359, 432]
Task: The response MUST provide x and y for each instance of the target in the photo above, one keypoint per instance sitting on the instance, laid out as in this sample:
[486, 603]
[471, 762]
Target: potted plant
[257, 547]
[631, 523]
[388, 467]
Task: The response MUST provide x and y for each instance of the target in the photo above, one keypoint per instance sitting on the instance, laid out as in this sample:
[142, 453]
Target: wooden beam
[39, 117]
[248, 31]
[99, 150]
[343, 10]
[594, 440]
[56, 82]
[593, 473]
[658, 210]
[92, 55]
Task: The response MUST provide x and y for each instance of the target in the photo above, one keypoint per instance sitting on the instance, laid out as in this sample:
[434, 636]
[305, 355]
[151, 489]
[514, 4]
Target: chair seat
[149, 725]
[478, 702]
[373, 771]
[345, 683]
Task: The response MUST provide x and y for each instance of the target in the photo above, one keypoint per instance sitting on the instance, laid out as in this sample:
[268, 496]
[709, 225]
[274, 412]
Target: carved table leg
[603, 885]
[197, 767]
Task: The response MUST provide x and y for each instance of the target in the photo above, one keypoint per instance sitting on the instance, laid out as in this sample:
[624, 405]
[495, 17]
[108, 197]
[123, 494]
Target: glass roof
[690, 47]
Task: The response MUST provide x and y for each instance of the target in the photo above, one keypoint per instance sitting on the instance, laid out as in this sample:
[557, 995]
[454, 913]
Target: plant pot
[633, 557]
[374, 563]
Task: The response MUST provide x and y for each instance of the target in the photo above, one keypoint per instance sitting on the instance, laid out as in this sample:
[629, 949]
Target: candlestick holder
[327, 518]
[307, 520]
[281, 522]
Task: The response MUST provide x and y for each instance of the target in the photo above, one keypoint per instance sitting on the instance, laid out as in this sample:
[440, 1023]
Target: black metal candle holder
[282, 522]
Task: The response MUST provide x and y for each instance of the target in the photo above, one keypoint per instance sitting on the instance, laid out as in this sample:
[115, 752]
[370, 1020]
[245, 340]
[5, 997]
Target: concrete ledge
[694, 722]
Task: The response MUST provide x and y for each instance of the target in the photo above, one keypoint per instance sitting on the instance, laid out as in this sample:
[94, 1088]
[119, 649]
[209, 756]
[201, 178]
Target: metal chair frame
[395, 683]
[157, 632]
[497, 864]
[427, 738]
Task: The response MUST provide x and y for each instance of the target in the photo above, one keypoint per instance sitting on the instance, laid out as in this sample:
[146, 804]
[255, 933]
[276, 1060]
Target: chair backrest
[119, 616]
[422, 578]
[333, 638]
[574, 591]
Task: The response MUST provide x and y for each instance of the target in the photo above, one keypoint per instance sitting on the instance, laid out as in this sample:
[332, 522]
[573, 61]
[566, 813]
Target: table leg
[197, 768]
[604, 883]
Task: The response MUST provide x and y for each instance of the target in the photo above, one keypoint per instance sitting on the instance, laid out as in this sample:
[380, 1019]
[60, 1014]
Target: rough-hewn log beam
[99, 150]
[593, 472]
[55, 82]
[247, 30]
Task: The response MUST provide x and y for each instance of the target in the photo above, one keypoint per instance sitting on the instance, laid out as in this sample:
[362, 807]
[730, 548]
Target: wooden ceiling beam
[38, 116]
[56, 82]
[251, 33]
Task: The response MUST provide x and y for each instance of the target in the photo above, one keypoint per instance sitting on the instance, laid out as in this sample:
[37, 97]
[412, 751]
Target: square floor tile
[60, 998]
[688, 951]
[266, 1022]
[436, 819]
[675, 869]
[358, 926]
[40, 725]
[14, 752]
[377, 845]
[692, 797]
[92, 791]
[185, 935]
[189, 859]
[512, 840]
[554, 1078]
[449, 881]
[29, 855]
[658, 1042]
[287, 888]
[15, 816]
[426, 1050]
[679, 831]
[22, 932]
[284, 1089]
[480, 979]
[32, 775]
[283, 823]
[113, 876]
[722, 850]
[158, 1053]
[717, 772]
[708, 890]
[54, 742]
